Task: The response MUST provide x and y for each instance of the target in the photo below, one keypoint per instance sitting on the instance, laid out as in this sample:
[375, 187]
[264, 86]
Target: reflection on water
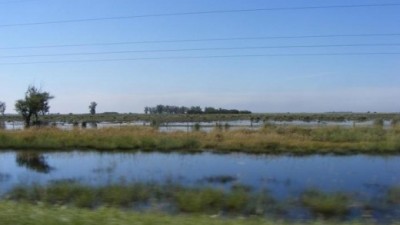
[33, 161]
[4, 177]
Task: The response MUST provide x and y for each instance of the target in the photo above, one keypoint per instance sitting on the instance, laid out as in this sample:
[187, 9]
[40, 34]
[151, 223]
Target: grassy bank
[27, 214]
[271, 139]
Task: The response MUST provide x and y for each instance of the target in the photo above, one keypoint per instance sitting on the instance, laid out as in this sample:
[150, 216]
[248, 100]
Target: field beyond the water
[269, 139]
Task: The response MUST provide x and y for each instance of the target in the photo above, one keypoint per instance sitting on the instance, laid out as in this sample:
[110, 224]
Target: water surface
[282, 175]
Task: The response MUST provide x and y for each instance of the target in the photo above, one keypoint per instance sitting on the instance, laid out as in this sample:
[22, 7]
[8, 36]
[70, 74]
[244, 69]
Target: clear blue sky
[262, 84]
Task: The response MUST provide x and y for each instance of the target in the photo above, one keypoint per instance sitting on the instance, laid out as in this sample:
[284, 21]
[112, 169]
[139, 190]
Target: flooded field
[365, 178]
[281, 174]
[202, 126]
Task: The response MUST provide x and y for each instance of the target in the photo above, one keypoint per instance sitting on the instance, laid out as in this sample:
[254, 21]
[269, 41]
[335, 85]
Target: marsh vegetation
[244, 192]
[176, 199]
[270, 139]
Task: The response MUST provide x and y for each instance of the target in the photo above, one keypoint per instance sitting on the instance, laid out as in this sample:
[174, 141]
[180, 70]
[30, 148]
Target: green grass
[78, 195]
[181, 199]
[26, 214]
[195, 201]
[326, 205]
[271, 140]
[239, 201]
[393, 195]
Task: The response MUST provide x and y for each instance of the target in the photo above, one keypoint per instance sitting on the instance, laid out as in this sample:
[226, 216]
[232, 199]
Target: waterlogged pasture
[356, 184]
[202, 126]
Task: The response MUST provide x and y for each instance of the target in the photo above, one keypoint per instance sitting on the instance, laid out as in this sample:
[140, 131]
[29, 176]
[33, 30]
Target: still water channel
[366, 177]
[282, 175]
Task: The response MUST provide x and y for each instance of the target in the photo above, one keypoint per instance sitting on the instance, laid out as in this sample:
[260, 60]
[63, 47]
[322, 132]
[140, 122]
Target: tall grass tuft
[327, 205]
[195, 201]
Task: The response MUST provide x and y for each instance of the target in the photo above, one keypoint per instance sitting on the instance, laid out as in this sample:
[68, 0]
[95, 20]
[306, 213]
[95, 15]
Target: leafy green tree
[34, 104]
[92, 108]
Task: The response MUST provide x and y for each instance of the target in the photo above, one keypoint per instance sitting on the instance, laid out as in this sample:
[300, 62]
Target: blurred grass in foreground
[26, 214]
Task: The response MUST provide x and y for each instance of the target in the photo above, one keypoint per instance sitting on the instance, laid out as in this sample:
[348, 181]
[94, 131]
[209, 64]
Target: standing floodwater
[367, 185]
[283, 175]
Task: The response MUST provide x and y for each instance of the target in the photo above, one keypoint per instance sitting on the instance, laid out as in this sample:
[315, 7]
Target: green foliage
[34, 104]
[92, 108]
[171, 109]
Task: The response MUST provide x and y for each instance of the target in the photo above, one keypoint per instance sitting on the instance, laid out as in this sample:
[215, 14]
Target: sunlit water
[282, 175]
[285, 177]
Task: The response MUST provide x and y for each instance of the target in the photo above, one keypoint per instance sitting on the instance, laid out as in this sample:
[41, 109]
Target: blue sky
[316, 83]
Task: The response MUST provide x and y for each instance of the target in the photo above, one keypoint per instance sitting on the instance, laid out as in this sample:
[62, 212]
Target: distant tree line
[170, 109]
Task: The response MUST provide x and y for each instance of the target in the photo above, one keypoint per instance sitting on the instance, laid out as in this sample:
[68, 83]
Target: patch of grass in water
[195, 201]
[326, 205]
[393, 195]
[236, 200]
[188, 200]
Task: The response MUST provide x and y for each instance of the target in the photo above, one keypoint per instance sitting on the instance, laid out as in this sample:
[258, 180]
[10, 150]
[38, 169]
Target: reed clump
[393, 195]
[177, 199]
[271, 139]
[182, 199]
[326, 205]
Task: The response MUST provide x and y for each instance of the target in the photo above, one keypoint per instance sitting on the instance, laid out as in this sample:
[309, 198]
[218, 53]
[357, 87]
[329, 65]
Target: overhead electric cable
[201, 13]
[201, 40]
[201, 49]
[207, 57]
[16, 1]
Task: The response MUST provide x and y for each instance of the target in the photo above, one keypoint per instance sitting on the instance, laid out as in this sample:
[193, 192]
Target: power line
[201, 49]
[208, 57]
[16, 1]
[201, 13]
[203, 40]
